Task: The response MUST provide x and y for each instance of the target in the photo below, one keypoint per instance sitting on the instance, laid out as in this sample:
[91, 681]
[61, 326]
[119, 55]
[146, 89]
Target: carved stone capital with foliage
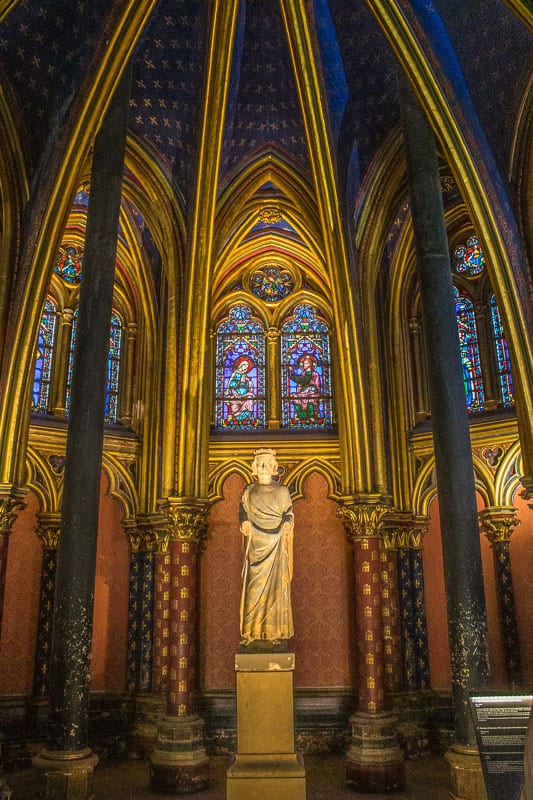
[12, 500]
[49, 530]
[187, 518]
[498, 522]
[363, 516]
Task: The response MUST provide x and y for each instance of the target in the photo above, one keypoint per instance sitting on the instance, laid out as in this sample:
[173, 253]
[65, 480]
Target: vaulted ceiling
[48, 50]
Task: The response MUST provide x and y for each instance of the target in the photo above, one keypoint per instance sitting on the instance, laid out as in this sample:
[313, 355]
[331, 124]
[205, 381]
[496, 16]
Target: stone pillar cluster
[374, 762]
[179, 763]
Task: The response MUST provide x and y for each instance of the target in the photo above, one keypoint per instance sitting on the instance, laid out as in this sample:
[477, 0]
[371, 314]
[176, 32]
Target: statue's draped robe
[266, 611]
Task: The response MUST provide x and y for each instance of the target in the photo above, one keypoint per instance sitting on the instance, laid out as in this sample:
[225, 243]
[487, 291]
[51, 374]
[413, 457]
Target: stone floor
[427, 779]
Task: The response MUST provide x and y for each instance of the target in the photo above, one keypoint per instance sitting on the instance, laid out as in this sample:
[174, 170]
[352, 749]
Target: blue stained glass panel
[43, 360]
[306, 372]
[69, 263]
[113, 369]
[468, 258]
[240, 372]
[73, 332]
[468, 341]
[502, 356]
[113, 366]
[271, 283]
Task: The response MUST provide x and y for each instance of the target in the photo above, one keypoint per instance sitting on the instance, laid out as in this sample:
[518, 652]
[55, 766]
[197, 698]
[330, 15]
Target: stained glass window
[468, 259]
[44, 357]
[113, 369]
[466, 325]
[71, 359]
[271, 283]
[69, 263]
[305, 366]
[240, 371]
[502, 356]
[113, 366]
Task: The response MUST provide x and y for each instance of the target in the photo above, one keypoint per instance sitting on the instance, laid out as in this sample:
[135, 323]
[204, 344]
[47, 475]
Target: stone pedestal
[67, 775]
[266, 764]
[179, 764]
[148, 710]
[374, 762]
[466, 773]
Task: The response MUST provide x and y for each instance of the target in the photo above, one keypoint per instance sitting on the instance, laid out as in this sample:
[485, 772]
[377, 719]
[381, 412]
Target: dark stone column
[497, 523]
[179, 763]
[455, 473]
[67, 761]
[374, 762]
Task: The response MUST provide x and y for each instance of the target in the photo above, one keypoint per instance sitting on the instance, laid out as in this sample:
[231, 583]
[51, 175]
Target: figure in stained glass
[69, 263]
[468, 342]
[502, 356]
[306, 400]
[306, 396]
[241, 391]
[240, 371]
[43, 360]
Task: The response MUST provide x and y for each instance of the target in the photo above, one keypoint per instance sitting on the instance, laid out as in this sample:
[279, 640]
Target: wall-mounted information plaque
[500, 721]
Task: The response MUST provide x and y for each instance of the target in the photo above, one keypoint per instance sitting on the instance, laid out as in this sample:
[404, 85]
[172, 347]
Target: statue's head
[265, 457]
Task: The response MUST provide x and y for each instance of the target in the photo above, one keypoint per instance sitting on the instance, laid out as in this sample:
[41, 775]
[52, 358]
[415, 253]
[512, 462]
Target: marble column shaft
[76, 566]
[451, 437]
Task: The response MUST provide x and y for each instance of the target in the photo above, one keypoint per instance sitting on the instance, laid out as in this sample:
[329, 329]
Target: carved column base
[179, 764]
[374, 762]
[67, 776]
[148, 710]
[466, 773]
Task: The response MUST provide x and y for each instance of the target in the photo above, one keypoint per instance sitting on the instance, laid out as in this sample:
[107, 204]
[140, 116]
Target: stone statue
[267, 523]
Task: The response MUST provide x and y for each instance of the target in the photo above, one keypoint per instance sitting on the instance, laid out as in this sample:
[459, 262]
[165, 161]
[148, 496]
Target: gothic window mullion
[60, 375]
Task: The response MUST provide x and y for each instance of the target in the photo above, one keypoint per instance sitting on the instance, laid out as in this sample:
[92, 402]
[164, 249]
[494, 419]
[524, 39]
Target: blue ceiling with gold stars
[46, 46]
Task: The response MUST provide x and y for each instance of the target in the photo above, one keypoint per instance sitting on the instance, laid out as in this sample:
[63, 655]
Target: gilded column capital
[363, 516]
[67, 315]
[49, 530]
[146, 531]
[401, 530]
[12, 500]
[272, 334]
[187, 517]
[498, 522]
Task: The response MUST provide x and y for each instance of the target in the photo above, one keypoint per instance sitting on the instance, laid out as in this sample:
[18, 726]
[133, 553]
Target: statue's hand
[246, 528]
